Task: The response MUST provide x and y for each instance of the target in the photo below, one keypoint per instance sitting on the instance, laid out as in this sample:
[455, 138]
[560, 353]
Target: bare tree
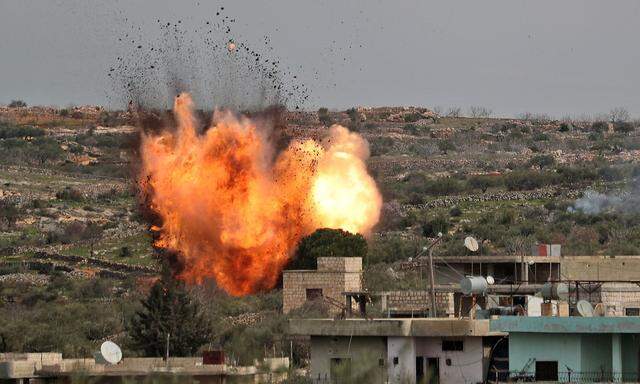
[478, 111]
[454, 112]
[619, 115]
[535, 117]
[437, 110]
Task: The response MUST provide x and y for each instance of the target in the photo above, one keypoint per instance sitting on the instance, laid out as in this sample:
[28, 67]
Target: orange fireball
[235, 214]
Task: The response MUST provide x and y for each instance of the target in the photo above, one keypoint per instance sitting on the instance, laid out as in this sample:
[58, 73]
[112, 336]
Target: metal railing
[568, 377]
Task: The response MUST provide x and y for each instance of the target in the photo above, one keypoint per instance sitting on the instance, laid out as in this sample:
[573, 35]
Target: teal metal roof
[566, 324]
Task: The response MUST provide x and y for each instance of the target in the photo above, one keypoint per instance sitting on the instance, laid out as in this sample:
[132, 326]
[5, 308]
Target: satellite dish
[471, 243]
[110, 352]
[490, 280]
[584, 308]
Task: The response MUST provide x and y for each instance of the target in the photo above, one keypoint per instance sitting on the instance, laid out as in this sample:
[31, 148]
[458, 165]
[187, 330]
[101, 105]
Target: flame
[235, 214]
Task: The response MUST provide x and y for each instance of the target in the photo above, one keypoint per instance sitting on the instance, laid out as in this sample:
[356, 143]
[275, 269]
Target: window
[632, 311]
[452, 345]
[314, 294]
[546, 371]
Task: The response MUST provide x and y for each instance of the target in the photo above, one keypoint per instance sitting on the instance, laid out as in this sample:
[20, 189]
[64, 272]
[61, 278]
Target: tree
[438, 224]
[454, 112]
[478, 111]
[354, 116]
[328, 242]
[323, 116]
[618, 115]
[169, 312]
[17, 104]
[623, 127]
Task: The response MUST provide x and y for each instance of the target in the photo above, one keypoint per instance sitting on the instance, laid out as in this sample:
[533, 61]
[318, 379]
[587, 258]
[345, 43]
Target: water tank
[473, 285]
[555, 291]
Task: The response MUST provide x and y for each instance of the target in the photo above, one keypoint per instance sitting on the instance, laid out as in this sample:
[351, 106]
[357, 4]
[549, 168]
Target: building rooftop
[509, 324]
[391, 327]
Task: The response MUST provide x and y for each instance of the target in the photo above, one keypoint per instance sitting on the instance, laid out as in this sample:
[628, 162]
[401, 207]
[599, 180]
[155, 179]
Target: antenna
[471, 243]
[110, 352]
[584, 308]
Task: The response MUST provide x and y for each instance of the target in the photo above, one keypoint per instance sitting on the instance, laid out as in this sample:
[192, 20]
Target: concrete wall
[526, 348]
[365, 353]
[578, 352]
[625, 268]
[334, 276]
[466, 365]
[596, 353]
[402, 350]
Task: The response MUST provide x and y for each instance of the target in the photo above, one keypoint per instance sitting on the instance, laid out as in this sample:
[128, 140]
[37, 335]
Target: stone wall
[334, 276]
[416, 301]
[616, 297]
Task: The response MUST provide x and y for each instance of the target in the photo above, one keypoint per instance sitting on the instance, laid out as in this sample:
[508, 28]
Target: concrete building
[569, 349]
[333, 277]
[399, 350]
[51, 367]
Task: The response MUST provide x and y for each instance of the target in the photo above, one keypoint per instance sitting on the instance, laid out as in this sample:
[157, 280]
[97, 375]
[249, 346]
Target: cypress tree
[169, 310]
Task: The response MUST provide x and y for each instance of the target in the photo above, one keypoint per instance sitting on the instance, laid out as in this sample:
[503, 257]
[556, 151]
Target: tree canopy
[328, 242]
[169, 311]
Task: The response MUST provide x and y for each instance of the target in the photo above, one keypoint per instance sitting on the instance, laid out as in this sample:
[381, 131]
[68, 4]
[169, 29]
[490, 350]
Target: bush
[412, 117]
[323, 116]
[576, 174]
[17, 104]
[483, 183]
[455, 212]
[599, 126]
[624, 127]
[70, 194]
[444, 186]
[8, 131]
[522, 180]
[542, 161]
[439, 224]
[565, 127]
[446, 145]
[411, 129]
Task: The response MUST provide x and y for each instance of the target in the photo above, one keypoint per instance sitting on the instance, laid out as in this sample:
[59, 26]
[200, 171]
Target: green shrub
[439, 224]
[542, 161]
[525, 180]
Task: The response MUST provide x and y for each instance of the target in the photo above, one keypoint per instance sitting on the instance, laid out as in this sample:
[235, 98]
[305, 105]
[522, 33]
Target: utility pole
[432, 310]
[167, 349]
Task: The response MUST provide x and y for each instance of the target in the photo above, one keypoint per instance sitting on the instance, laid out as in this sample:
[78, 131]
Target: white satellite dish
[490, 280]
[584, 308]
[471, 243]
[110, 352]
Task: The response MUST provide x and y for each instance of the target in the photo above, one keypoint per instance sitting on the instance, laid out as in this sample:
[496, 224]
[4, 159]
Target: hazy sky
[567, 57]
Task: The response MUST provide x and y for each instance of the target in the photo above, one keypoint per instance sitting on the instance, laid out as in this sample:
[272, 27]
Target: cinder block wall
[334, 276]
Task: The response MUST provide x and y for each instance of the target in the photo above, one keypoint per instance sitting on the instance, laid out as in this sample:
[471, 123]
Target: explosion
[234, 210]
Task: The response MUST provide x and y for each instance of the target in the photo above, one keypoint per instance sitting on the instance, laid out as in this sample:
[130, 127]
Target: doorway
[546, 371]
[432, 375]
